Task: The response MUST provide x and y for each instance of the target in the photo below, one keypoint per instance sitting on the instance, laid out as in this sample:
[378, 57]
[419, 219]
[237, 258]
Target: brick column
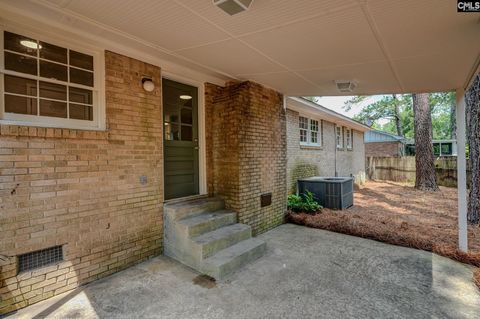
[246, 151]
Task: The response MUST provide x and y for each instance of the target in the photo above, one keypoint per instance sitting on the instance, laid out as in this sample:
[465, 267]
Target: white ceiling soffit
[301, 47]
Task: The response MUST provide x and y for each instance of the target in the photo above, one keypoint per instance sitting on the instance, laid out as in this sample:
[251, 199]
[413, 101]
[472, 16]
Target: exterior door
[180, 127]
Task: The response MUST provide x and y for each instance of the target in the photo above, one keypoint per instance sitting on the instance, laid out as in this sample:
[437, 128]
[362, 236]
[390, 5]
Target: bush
[304, 204]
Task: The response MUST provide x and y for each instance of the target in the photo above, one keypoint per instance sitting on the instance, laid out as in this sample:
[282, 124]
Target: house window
[46, 84]
[314, 132]
[349, 138]
[339, 136]
[303, 125]
[310, 131]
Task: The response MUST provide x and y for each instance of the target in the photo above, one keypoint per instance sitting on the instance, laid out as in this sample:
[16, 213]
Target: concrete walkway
[306, 273]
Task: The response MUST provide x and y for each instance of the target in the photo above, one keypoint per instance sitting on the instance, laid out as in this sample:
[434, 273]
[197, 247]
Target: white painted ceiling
[300, 47]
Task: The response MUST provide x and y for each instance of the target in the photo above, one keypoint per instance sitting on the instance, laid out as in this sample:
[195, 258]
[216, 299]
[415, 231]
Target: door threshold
[185, 199]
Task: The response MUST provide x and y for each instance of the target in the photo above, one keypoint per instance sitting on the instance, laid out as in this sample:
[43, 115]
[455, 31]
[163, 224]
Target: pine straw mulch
[398, 214]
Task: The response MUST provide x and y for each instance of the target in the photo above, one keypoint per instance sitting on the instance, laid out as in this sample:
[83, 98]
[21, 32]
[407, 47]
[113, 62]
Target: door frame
[202, 154]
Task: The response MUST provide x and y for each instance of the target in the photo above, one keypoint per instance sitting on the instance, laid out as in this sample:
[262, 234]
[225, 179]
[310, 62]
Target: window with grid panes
[47, 84]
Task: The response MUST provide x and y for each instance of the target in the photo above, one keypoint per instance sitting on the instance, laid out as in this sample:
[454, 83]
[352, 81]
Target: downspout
[335, 147]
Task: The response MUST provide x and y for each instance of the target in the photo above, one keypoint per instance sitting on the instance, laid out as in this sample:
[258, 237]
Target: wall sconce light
[148, 84]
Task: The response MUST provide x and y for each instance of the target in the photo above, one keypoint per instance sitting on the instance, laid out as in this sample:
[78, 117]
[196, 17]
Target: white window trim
[99, 121]
[349, 134]
[342, 143]
[309, 131]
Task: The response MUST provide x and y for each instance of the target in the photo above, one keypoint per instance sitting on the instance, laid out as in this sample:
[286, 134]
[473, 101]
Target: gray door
[180, 109]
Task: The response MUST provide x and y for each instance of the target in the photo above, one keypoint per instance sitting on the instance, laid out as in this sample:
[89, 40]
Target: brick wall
[246, 149]
[383, 149]
[82, 189]
[306, 161]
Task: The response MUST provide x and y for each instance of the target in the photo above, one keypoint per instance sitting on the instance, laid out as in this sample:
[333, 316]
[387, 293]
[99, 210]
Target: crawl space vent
[233, 7]
[346, 86]
[40, 258]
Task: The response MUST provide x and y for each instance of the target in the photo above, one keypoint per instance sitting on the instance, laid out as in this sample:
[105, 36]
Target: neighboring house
[383, 144]
[321, 142]
[440, 147]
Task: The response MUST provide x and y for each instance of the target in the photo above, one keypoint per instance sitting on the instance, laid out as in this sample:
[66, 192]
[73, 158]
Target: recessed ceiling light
[185, 97]
[30, 44]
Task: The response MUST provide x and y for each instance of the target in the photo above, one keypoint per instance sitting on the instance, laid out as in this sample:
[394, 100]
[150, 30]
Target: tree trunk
[453, 121]
[424, 158]
[472, 99]
[398, 123]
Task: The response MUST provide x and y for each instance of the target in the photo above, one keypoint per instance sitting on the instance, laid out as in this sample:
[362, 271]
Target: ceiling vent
[346, 86]
[233, 7]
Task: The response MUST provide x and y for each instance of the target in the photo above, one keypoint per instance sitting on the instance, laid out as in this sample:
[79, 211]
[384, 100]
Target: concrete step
[207, 222]
[180, 210]
[228, 260]
[209, 243]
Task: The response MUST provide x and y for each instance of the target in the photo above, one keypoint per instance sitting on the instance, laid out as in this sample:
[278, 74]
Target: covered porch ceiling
[299, 47]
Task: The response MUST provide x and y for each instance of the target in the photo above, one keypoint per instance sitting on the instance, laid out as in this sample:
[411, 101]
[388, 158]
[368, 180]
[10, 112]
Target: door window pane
[81, 60]
[80, 95]
[20, 104]
[53, 71]
[18, 85]
[81, 77]
[52, 52]
[186, 116]
[81, 112]
[171, 132]
[171, 113]
[53, 91]
[186, 133]
[13, 42]
[53, 108]
[20, 63]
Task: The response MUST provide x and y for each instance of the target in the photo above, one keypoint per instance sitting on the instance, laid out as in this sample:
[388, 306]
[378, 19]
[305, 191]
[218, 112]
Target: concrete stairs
[204, 236]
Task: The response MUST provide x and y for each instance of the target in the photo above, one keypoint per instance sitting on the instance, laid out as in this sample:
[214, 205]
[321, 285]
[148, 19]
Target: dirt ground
[401, 215]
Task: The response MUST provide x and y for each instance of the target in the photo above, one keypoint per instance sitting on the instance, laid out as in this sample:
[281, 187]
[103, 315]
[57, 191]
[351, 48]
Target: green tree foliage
[397, 111]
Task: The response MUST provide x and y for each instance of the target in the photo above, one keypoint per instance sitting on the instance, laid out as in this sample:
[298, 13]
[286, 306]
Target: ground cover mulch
[399, 214]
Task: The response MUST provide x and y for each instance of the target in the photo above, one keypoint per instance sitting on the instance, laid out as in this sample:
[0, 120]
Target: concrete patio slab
[306, 273]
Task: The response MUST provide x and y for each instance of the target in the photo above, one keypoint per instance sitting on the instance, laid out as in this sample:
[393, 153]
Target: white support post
[461, 172]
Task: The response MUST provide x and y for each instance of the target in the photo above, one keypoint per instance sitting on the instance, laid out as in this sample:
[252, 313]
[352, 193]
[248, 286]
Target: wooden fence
[402, 169]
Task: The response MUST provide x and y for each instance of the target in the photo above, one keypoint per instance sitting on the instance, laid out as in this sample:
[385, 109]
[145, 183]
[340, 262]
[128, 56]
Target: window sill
[51, 132]
[310, 147]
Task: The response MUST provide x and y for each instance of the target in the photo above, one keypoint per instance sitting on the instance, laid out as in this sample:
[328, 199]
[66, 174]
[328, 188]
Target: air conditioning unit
[233, 7]
[345, 86]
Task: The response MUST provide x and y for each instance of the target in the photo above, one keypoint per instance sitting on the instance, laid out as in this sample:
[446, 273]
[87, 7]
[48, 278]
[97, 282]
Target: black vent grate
[40, 258]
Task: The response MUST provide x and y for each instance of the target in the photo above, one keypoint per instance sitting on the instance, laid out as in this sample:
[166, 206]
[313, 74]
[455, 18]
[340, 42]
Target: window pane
[14, 42]
[53, 71]
[171, 113]
[447, 149]
[53, 108]
[171, 132]
[52, 52]
[314, 137]
[20, 104]
[81, 77]
[53, 91]
[186, 116]
[81, 112]
[18, 85]
[303, 135]
[80, 95]
[20, 63]
[186, 133]
[81, 60]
